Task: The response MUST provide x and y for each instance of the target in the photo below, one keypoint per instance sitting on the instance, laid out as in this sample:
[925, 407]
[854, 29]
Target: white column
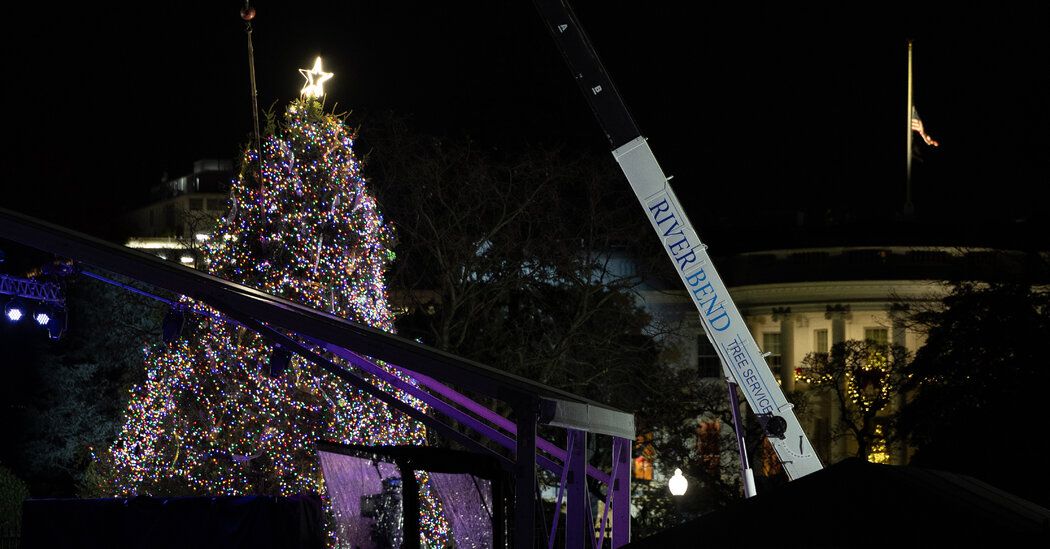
[838, 314]
[787, 347]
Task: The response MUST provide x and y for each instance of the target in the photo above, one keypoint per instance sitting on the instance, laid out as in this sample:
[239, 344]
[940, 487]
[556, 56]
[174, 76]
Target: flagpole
[909, 208]
[248, 13]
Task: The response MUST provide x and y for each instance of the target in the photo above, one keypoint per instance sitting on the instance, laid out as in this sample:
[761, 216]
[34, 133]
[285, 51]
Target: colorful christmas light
[302, 225]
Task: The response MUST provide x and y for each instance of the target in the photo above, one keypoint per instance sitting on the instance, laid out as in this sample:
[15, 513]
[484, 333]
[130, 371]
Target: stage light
[56, 323]
[279, 360]
[171, 329]
[42, 314]
[14, 310]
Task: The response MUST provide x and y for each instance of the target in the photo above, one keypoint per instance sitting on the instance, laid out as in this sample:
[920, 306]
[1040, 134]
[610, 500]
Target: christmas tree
[211, 418]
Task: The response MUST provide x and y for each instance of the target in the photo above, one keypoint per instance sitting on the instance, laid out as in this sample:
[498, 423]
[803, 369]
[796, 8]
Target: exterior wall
[793, 293]
[183, 213]
[178, 217]
[795, 311]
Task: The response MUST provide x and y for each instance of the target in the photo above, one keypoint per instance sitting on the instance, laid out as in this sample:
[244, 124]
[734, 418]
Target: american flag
[916, 126]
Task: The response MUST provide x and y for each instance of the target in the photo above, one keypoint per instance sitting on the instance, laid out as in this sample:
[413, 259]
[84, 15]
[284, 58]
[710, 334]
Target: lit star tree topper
[315, 79]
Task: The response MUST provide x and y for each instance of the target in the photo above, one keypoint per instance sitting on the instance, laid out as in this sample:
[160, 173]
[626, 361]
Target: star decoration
[315, 78]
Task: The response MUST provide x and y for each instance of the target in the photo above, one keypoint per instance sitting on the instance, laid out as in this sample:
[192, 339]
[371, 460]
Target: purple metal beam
[620, 492]
[609, 490]
[577, 513]
[574, 459]
[590, 522]
[738, 428]
[128, 287]
[436, 403]
[561, 493]
[500, 421]
[357, 382]
[436, 386]
[376, 370]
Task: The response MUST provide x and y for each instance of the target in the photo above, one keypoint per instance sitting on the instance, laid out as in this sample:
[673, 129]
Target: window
[771, 344]
[216, 204]
[877, 335]
[707, 361]
[196, 203]
[709, 445]
[643, 464]
[820, 341]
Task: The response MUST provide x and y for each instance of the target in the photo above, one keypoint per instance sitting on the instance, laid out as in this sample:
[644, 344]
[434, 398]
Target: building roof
[769, 231]
[874, 262]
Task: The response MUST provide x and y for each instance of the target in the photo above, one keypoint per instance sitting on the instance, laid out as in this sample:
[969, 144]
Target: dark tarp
[854, 503]
[258, 522]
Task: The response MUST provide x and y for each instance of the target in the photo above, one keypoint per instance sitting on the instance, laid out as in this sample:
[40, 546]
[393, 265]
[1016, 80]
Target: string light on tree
[315, 79]
[865, 378]
[207, 419]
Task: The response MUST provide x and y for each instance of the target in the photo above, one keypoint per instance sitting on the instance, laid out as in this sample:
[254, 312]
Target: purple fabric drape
[348, 479]
[467, 501]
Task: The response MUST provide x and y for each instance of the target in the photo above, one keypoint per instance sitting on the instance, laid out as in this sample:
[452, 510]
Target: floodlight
[42, 315]
[56, 323]
[14, 310]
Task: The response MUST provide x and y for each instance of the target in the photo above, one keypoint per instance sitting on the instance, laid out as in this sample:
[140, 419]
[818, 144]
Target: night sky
[754, 110]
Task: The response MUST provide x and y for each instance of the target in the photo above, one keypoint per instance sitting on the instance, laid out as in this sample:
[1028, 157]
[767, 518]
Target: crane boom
[741, 358]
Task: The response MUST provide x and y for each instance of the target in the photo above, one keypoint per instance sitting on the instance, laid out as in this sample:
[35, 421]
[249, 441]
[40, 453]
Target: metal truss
[48, 292]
